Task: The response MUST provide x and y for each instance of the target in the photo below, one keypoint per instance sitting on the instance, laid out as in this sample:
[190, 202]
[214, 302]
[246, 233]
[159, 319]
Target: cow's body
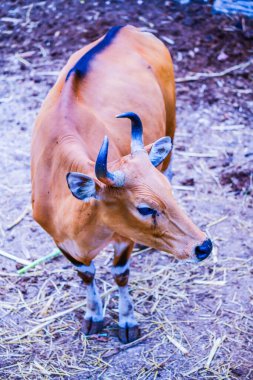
[133, 72]
[75, 118]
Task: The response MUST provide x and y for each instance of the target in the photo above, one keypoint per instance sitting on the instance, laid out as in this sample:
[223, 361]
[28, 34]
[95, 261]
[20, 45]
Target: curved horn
[115, 179]
[137, 132]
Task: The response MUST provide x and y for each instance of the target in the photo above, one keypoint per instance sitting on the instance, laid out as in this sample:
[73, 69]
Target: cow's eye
[144, 210]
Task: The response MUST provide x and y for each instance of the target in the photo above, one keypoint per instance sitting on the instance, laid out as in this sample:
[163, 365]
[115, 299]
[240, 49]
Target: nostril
[203, 251]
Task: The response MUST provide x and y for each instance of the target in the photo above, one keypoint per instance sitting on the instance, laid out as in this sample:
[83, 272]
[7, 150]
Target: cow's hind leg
[128, 326]
[93, 320]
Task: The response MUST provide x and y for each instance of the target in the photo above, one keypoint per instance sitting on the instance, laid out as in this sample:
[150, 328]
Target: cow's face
[145, 210]
[136, 201]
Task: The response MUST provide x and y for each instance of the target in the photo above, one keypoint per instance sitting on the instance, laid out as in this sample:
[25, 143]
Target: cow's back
[134, 73]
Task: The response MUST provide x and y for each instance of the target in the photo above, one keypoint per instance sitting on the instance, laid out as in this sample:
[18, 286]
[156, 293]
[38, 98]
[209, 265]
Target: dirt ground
[196, 320]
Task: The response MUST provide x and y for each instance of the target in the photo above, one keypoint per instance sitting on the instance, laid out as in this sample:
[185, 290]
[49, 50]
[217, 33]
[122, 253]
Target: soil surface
[196, 320]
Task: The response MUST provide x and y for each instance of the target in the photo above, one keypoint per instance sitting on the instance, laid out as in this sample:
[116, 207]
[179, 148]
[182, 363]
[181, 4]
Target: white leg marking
[126, 309]
[94, 309]
[94, 304]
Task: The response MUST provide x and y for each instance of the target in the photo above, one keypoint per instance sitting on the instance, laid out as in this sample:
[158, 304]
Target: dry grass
[196, 320]
[50, 343]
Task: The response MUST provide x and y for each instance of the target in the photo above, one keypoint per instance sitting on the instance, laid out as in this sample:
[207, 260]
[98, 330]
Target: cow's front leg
[128, 326]
[93, 320]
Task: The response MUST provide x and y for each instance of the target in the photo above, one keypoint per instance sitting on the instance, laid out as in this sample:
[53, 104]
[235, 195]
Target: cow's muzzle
[203, 251]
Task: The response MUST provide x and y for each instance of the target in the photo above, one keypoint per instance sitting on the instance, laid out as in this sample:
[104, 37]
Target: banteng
[86, 195]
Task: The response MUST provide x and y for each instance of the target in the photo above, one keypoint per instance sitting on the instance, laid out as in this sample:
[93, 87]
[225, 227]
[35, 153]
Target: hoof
[90, 327]
[129, 334]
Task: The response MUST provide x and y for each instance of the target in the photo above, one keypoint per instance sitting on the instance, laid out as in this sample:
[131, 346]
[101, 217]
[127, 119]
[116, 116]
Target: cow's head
[136, 201]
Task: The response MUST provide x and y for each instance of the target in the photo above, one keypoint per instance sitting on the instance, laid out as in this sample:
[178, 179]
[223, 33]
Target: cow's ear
[82, 186]
[160, 150]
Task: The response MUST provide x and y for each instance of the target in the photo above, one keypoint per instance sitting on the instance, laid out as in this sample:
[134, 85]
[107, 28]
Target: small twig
[14, 258]
[169, 41]
[178, 345]
[184, 188]
[146, 29]
[205, 282]
[28, 14]
[196, 368]
[41, 368]
[214, 75]
[7, 99]
[23, 60]
[228, 127]
[19, 218]
[56, 252]
[48, 73]
[30, 332]
[140, 339]
[196, 154]
[242, 315]
[217, 221]
[215, 347]
[12, 20]
[215, 254]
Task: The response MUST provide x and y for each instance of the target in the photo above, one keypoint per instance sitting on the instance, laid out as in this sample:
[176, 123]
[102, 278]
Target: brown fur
[134, 73]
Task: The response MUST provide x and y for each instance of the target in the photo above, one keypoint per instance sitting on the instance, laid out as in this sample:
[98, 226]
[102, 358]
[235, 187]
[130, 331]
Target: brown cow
[128, 200]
